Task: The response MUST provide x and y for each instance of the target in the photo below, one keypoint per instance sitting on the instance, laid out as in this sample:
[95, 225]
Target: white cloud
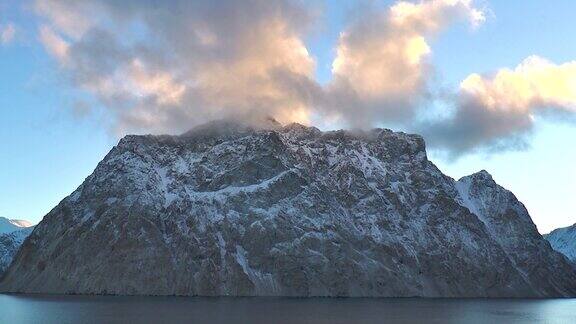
[381, 71]
[136, 80]
[7, 33]
[54, 43]
[533, 85]
[70, 17]
[498, 111]
[163, 67]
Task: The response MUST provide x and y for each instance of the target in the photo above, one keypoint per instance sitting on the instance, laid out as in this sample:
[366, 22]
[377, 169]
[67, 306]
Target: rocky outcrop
[563, 240]
[228, 209]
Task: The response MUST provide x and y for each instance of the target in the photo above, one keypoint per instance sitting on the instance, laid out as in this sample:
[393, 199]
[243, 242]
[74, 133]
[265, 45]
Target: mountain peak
[483, 174]
[231, 126]
[563, 240]
[564, 229]
[12, 225]
[21, 223]
[480, 176]
[245, 209]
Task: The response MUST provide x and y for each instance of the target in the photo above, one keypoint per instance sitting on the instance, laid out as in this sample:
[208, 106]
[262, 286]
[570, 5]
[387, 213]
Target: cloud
[80, 109]
[7, 33]
[54, 44]
[73, 18]
[498, 111]
[381, 71]
[163, 67]
[533, 85]
[166, 66]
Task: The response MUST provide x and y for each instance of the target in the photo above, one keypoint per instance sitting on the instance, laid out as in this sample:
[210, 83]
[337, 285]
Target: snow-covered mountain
[9, 245]
[228, 209]
[563, 240]
[11, 225]
[12, 234]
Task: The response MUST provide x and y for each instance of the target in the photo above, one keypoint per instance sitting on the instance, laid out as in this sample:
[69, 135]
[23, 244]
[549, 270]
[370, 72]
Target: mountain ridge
[10, 225]
[227, 209]
[563, 240]
[13, 232]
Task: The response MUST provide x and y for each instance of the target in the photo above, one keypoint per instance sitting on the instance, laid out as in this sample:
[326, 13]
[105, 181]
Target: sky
[489, 84]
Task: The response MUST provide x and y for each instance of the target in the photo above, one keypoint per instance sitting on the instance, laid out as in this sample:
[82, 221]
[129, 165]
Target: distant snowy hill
[9, 245]
[13, 232]
[232, 209]
[21, 223]
[11, 225]
[563, 240]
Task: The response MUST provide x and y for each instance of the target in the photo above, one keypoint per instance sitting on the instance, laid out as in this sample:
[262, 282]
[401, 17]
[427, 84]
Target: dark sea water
[96, 309]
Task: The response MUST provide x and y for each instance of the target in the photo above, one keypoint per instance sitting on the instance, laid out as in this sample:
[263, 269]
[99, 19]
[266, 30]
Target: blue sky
[47, 150]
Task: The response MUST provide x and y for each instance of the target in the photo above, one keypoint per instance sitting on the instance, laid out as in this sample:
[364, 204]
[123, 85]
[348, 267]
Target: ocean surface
[98, 309]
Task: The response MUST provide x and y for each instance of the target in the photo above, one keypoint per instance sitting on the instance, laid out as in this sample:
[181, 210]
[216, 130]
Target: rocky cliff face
[227, 209]
[563, 240]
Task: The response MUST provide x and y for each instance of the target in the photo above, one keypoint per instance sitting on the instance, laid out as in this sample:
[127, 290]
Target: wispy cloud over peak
[164, 67]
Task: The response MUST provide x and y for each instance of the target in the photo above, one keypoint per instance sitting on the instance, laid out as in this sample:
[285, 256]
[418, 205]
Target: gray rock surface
[563, 240]
[228, 209]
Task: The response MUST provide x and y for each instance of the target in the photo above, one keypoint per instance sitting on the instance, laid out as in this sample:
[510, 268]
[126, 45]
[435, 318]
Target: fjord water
[99, 309]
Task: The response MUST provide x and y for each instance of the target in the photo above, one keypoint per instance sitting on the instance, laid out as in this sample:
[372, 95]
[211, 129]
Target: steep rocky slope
[563, 240]
[228, 209]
